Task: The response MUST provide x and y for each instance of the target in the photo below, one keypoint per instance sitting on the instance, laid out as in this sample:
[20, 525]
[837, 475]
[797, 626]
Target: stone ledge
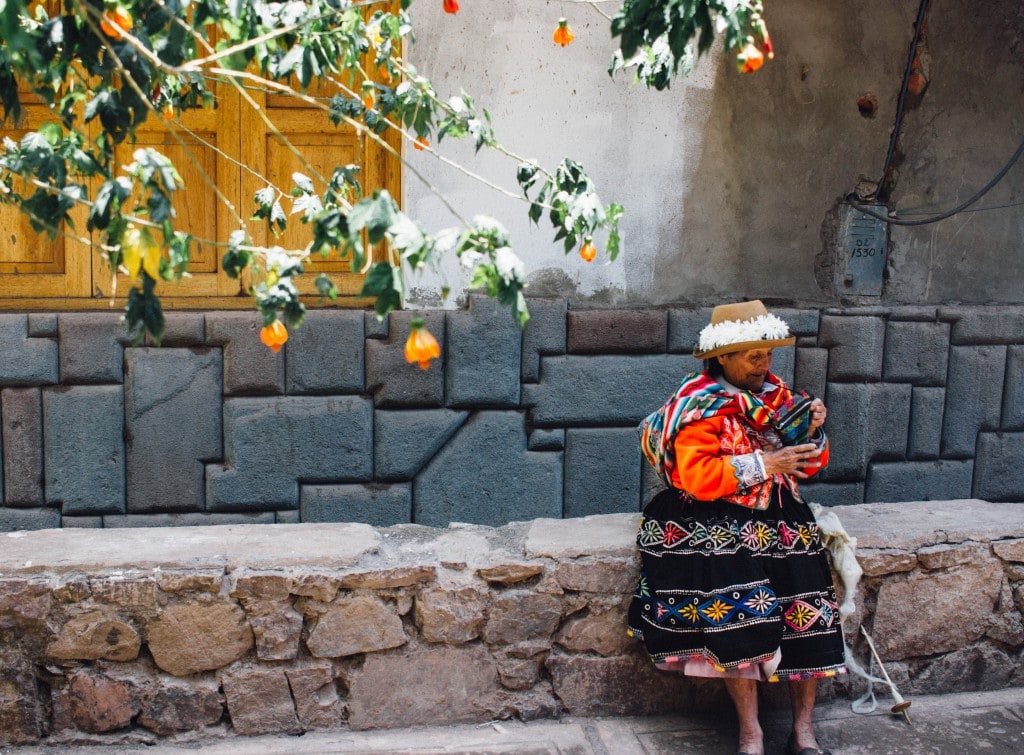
[297, 627]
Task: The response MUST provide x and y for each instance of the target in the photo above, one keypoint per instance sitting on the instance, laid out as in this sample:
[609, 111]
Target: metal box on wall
[863, 244]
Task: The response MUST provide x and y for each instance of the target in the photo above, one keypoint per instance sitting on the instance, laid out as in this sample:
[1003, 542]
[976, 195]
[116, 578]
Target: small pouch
[793, 419]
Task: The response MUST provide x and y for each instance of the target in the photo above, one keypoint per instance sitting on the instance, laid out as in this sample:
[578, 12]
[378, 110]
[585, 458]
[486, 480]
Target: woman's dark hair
[713, 367]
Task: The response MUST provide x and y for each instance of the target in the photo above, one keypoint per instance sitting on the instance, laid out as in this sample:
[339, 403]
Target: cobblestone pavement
[989, 722]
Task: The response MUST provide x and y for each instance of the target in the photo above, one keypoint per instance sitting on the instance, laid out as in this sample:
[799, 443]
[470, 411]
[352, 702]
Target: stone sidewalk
[991, 722]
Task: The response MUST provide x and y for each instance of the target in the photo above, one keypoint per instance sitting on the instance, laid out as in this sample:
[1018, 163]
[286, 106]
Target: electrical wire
[922, 9]
[948, 213]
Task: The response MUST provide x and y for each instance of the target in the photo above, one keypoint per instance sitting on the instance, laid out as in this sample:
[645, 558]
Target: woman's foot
[751, 743]
[803, 742]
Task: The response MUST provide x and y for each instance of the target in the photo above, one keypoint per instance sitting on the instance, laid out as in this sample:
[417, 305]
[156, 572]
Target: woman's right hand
[791, 460]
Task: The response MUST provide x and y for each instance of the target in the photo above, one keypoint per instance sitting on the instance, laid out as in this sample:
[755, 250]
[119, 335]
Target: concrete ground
[988, 722]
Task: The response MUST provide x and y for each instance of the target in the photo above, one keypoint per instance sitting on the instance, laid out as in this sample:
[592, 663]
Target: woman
[735, 582]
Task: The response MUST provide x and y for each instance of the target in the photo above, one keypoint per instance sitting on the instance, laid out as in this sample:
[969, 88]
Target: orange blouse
[716, 458]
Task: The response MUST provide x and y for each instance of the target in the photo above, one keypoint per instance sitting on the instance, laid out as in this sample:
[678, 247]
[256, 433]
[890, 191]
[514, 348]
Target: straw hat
[741, 326]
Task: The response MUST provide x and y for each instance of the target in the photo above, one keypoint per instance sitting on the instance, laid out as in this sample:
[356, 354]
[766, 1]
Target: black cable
[948, 213]
[898, 124]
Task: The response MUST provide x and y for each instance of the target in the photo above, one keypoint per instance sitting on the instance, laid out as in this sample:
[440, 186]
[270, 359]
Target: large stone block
[925, 435]
[404, 441]
[926, 614]
[512, 484]
[93, 635]
[998, 471]
[27, 360]
[420, 686]
[520, 616]
[92, 347]
[371, 503]
[249, 366]
[270, 444]
[100, 704]
[182, 329]
[916, 352]
[801, 322]
[973, 397]
[188, 638]
[602, 471]
[832, 494]
[356, 625]
[172, 707]
[182, 519]
[21, 715]
[603, 390]
[325, 354]
[592, 686]
[28, 519]
[855, 346]
[982, 666]
[543, 334]
[919, 481]
[1013, 392]
[451, 616]
[484, 355]
[22, 413]
[617, 331]
[865, 423]
[260, 701]
[985, 325]
[784, 363]
[83, 448]
[317, 702]
[810, 370]
[394, 382]
[684, 327]
[173, 417]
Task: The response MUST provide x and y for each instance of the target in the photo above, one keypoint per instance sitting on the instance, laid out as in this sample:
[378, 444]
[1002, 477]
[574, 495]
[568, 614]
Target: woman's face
[747, 369]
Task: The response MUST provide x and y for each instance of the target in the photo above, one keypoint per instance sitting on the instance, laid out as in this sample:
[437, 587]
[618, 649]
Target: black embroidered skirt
[733, 586]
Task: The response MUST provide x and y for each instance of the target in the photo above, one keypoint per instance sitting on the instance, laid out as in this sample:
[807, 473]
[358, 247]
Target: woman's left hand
[818, 414]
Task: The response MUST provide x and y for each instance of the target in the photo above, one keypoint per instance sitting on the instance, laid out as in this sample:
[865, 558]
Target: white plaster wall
[548, 102]
[731, 182]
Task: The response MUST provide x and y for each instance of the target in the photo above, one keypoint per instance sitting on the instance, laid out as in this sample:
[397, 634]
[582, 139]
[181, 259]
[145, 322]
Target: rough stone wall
[214, 631]
[212, 427]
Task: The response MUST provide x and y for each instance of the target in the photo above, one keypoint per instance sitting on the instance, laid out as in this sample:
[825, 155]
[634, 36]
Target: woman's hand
[818, 414]
[791, 459]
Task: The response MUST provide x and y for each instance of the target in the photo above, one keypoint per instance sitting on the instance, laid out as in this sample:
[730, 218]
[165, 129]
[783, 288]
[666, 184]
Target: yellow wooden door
[238, 150]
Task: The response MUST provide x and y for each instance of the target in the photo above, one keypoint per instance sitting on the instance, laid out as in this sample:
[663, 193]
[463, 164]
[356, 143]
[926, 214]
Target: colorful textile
[726, 585]
[733, 586]
[698, 397]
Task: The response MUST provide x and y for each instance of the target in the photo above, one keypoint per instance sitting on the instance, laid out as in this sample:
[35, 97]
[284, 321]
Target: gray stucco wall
[925, 404]
[731, 182]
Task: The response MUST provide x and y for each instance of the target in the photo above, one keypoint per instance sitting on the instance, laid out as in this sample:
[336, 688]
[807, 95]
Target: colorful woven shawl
[699, 396]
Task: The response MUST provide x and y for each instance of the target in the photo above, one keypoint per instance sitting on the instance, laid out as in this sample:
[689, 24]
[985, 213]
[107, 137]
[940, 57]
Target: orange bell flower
[369, 96]
[588, 251]
[421, 143]
[421, 346]
[563, 34]
[274, 335]
[749, 59]
[451, 6]
[115, 22]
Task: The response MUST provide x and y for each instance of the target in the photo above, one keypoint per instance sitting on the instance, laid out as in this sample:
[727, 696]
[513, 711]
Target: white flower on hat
[766, 327]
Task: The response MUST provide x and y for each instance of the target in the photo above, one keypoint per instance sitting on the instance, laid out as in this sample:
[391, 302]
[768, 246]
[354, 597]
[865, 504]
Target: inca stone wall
[212, 427]
[211, 631]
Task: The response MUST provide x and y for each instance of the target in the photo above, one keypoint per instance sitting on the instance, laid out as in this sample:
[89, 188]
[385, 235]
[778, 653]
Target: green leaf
[375, 214]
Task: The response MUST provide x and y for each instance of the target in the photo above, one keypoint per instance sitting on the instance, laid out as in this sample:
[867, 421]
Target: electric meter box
[863, 245]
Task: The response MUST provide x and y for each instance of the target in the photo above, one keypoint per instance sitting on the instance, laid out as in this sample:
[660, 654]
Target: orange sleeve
[701, 469]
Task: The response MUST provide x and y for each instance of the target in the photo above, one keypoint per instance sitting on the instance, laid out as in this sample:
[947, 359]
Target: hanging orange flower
[588, 251]
[421, 346]
[115, 22]
[749, 59]
[421, 143]
[766, 41]
[563, 34]
[451, 6]
[274, 335]
[369, 97]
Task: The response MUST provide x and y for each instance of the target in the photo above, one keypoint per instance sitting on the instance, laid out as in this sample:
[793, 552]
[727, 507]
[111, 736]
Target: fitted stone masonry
[214, 428]
[239, 630]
